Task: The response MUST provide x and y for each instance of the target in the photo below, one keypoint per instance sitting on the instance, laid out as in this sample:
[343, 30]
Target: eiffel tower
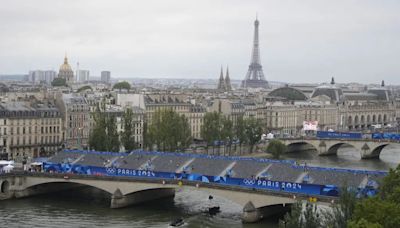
[255, 76]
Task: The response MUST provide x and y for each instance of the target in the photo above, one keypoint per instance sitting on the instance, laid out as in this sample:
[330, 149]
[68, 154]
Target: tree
[276, 148]
[113, 143]
[83, 88]
[98, 134]
[226, 134]
[210, 130]
[362, 223]
[104, 135]
[128, 135]
[384, 208]
[341, 212]
[299, 218]
[294, 218]
[240, 132]
[168, 130]
[59, 82]
[377, 211]
[185, 137]
[253, 132]
[122, 85]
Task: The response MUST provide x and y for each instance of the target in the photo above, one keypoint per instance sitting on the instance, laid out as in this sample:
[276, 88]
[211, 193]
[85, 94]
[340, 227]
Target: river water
[65, 211]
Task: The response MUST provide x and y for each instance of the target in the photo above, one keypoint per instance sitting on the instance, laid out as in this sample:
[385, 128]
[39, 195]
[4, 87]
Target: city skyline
[349, 40]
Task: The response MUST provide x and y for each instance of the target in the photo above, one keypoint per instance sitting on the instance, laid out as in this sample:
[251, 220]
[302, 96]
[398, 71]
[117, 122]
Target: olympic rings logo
[111, 170]
[249, 181]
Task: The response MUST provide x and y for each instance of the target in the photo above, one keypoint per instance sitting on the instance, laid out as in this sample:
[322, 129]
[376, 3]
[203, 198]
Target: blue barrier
[389, 136]
[339, 135]
[289, 187]
[293, 164]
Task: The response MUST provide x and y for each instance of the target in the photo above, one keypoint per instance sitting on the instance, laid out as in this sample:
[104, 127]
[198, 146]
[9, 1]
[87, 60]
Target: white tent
[4, 162]
[270, 136]
[36, 163]
[8, 168]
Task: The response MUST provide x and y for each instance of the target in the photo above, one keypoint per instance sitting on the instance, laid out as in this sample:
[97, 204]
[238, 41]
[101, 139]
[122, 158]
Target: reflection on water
[56, 211]
[348, 157]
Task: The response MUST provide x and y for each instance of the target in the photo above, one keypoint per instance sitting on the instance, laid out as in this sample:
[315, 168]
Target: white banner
[310, 125]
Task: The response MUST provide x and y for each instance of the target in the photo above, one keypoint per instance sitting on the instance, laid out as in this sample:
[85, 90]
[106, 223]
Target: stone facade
[76, 120]
[29, 130]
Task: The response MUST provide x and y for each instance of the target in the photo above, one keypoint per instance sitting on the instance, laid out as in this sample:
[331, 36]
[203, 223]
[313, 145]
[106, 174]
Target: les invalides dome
[66, 71]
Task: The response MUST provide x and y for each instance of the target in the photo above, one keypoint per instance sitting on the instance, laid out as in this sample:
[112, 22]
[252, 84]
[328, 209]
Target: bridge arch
[4, 187]
[60, 185]
[376, 152]
[300, 146]
[333, 149]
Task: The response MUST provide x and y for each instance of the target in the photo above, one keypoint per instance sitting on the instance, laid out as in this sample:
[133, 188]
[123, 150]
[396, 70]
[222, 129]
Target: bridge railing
[166, 181]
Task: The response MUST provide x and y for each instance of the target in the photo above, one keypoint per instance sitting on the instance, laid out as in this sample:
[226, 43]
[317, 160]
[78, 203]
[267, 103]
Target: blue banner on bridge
[299, 188]
[339, 135]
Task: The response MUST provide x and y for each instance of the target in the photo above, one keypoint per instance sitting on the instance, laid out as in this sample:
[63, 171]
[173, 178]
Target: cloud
[306, 41]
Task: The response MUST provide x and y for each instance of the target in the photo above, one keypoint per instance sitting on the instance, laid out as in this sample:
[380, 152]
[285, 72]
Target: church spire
[228, 85]
[221, 83]
[65, 58]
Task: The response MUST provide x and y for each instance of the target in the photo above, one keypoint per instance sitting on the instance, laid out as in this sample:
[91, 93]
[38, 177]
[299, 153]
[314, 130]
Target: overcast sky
[300, 41]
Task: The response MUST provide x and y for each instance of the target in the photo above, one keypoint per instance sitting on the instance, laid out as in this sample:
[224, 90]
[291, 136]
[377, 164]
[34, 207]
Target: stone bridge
[124, 191]
[367, 148]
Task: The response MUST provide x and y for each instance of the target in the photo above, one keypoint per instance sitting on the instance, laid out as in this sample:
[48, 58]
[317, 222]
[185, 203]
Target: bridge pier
[251, 214]
[5, 192]
[118, 200]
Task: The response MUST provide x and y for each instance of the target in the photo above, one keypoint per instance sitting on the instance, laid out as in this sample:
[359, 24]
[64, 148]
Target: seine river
[55, 211]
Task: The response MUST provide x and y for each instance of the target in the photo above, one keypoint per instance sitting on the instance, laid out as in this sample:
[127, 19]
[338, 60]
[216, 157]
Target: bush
[276, 148]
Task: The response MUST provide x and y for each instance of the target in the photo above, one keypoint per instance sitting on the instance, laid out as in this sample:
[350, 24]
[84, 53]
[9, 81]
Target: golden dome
[65, 66]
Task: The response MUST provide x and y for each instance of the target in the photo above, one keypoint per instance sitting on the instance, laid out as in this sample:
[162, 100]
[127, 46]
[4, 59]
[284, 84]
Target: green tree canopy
[380, 211]
[383, 209]
[122, 85]
[128, 135]
[104, 135]
[59, 82]
[253, 131]
[211, 129]
[276, 148]
[83, 88]
[217, 127]
[169, 131]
